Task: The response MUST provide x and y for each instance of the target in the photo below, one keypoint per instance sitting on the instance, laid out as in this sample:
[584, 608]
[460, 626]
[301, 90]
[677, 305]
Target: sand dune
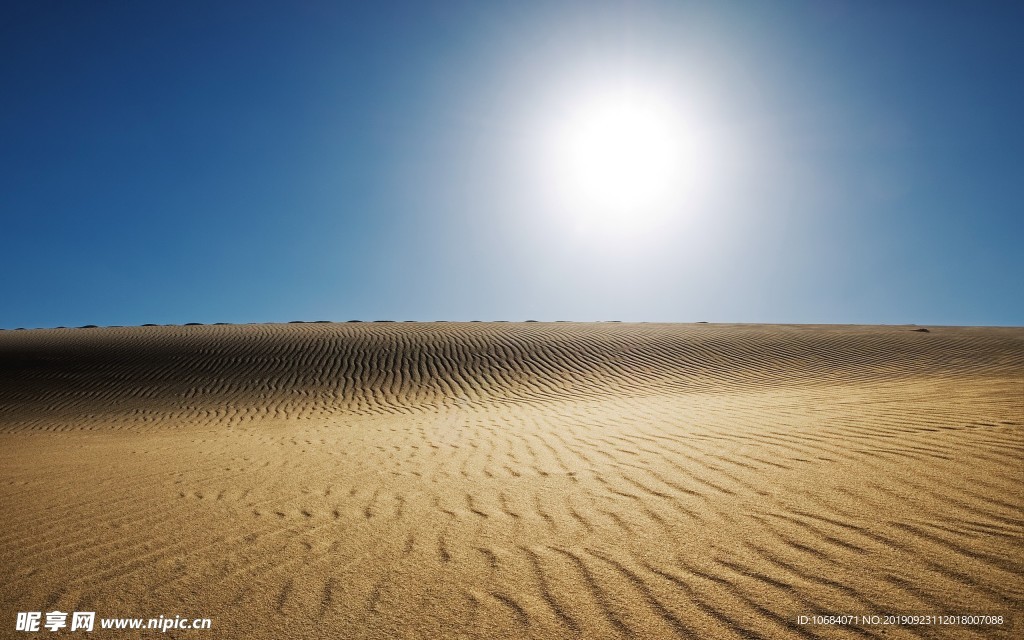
[493, 480]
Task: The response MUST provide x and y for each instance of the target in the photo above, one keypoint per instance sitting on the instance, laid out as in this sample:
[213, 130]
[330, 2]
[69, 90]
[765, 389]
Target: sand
[506, 480]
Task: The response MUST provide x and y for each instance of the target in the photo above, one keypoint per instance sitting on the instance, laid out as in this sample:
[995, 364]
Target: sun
[619, 159]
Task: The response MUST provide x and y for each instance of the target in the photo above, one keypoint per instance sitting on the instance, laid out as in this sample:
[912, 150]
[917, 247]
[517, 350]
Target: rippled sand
[493, 480]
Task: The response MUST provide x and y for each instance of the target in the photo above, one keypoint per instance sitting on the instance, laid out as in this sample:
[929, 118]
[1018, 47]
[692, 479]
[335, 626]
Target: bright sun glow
[619, 160]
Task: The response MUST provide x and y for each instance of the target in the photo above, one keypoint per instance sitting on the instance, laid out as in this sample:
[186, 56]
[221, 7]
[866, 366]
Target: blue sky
[266, 162]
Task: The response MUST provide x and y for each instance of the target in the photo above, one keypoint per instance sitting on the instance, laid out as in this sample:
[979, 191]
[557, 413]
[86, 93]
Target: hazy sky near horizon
[849, 162]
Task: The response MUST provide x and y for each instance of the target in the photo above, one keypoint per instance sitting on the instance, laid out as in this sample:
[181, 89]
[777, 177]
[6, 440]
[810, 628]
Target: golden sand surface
[514, 480]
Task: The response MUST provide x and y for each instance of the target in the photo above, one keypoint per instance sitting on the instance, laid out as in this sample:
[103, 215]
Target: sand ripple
[542, 480]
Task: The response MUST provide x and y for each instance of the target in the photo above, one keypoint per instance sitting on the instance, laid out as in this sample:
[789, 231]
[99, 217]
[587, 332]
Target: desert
[515, 480]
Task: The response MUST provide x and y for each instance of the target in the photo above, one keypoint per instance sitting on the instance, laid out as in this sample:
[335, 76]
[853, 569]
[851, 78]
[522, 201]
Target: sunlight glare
[620, 159]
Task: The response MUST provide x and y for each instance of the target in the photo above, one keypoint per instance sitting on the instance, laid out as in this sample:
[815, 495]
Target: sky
[834, 162]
